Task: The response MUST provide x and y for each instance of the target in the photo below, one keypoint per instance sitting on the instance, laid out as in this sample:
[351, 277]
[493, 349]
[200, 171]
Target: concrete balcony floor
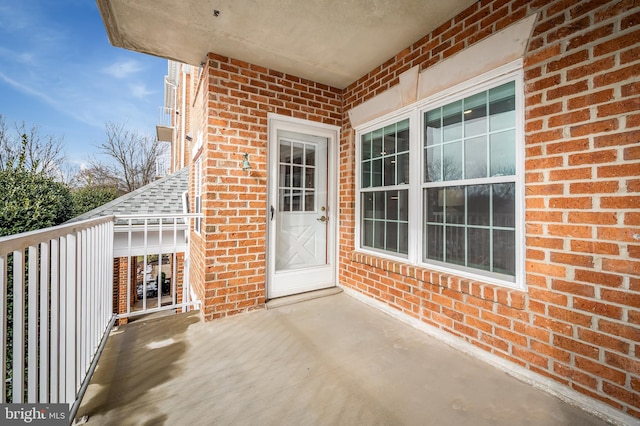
[331, 360]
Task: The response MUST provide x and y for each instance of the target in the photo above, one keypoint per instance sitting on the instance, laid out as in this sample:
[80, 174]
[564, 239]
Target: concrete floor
[327, 361]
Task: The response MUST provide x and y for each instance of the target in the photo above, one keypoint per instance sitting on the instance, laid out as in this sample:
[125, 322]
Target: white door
[301, 238]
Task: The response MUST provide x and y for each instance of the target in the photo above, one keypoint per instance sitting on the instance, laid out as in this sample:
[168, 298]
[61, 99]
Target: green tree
[89, 197]
[29, 199]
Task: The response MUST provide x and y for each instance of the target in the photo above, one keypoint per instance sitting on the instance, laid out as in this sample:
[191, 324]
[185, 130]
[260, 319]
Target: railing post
[72, 291]
[32, 324]
[44, 323]
[17, 370]
[3, 325]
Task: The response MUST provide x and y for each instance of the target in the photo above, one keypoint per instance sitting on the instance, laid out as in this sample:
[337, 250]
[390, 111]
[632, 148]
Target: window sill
[512, 298]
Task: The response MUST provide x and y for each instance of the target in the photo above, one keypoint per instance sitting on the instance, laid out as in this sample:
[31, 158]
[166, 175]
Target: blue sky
[59, 71]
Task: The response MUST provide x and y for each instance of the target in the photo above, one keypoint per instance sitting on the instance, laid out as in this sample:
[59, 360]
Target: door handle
[323, 219]
[272, 212]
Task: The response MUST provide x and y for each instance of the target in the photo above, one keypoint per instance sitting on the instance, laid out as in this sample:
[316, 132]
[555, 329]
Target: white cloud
[140, 91]
[124, 69]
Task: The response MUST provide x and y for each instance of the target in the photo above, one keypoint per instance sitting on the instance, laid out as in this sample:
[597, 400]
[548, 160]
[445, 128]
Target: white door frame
[276, 123]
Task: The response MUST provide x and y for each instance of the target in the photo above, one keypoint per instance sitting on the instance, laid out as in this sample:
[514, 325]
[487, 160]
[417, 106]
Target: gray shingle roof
[163, 196]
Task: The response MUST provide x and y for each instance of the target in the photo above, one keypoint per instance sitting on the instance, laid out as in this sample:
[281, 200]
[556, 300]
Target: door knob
[323, 219]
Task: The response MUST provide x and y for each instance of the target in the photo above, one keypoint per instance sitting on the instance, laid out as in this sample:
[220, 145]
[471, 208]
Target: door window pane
[297, 153]
[310, 155]
[309, 201]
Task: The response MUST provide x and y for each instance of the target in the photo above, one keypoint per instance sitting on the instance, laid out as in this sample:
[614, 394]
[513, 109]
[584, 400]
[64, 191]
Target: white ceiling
[334, 42]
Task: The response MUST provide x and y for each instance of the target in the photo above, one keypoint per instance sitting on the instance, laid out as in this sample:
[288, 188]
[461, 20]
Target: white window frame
[197, 195]
[415, 112]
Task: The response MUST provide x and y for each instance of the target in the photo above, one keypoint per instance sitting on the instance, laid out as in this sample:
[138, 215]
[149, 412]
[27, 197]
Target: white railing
[165, 116]
[163, 165]
[149, 245]
[58, 283]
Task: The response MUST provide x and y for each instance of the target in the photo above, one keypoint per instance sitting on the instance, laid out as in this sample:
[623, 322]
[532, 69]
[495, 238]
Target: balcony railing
[57, 297]
[56, 309]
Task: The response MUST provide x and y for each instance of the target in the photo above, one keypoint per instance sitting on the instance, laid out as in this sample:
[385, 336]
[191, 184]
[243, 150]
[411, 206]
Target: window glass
[469, 220]
[384, 166]
[467, 160]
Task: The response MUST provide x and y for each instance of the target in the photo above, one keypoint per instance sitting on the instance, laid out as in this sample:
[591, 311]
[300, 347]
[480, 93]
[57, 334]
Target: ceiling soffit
[333, 42]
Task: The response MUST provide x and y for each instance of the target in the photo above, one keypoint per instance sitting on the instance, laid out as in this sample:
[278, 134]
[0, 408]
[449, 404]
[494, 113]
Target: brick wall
[579, 321]
[120, 270]
[232, 249]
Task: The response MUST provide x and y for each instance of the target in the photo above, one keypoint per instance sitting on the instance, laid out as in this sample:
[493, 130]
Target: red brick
[571, 259]
[556, 243]
[617, 139]
[568, 145]
[573, 288]
[630, 55]
[590, 99]
[590, 37]
[614, 9]
[530, 357]
[621, 393]
[595, 247]
[621, 297]
[632, 153]
[631, 218]
[541, 55]
[569, 316]
[617, 108]
[597, 218]
[617, 76]
[558, 327]
[603, 309]
[593, 157]
[566, 231]
[576, 346]
[621, 266]
[571, 203]
[601, 278]
[567, 90]
[547, 296]
[594, 127]
[594, 187]
[623, 202]
[604, 340]
[593, 67]
[619, 329]
[600, 370]
[568, 118]
[617, 43]
[576, 375]
[570, 174]
[545, 269]
[567, 61]
[621, 234]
